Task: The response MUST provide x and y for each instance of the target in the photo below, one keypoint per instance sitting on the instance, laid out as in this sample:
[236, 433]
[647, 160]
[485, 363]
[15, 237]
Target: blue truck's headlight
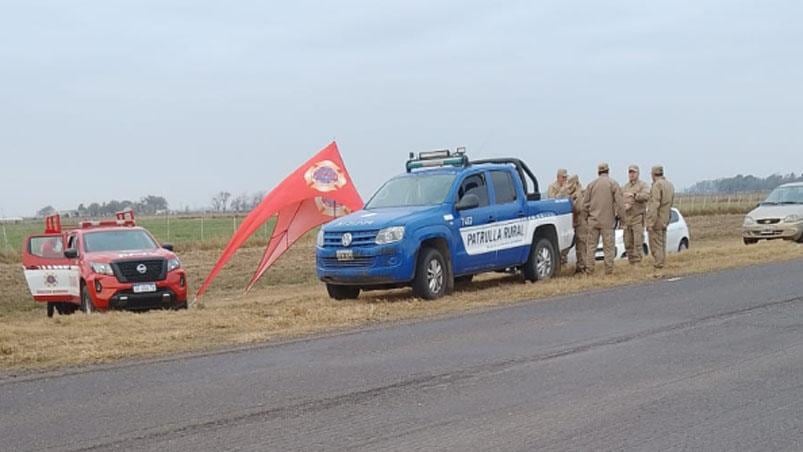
[390, 235]
[319, 241]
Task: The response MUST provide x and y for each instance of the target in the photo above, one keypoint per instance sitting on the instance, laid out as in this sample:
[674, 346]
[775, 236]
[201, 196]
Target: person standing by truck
[557, 189]
[603, 202]
[636, 195]
[580, 221]
[662, 196]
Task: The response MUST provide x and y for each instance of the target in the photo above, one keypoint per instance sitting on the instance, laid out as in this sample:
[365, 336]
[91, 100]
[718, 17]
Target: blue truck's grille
[357, 262]
[361, 238]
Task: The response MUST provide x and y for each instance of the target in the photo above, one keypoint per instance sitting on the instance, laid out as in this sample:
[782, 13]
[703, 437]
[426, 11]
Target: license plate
[145, 288]
[345, 255]
[768, 231]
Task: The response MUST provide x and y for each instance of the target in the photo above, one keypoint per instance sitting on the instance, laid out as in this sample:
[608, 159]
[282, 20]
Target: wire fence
[718, 203]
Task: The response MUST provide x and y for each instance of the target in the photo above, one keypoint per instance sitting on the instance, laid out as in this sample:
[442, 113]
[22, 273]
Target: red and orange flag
[315, 193]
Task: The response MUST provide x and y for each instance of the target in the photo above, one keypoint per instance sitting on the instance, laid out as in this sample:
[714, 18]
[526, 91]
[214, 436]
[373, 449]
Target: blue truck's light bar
[436, 159]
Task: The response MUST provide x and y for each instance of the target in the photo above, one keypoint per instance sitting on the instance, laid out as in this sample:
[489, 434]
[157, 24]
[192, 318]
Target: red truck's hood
[111, 256]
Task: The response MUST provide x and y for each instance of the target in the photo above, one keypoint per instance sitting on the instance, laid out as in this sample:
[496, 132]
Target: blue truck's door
[509, 206]
[470, 226]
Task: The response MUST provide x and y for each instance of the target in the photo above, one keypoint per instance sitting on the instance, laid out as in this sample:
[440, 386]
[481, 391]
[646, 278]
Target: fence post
[5, 238]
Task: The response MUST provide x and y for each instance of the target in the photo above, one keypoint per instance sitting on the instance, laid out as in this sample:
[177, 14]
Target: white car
[677, 239]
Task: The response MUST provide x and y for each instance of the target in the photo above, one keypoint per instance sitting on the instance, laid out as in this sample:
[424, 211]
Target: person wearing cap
[636, 194]
[604, 204]
[662, 196]
[557, 188]
[575, 192]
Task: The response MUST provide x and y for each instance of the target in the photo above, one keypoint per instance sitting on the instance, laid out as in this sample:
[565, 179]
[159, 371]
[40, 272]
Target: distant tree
[220, 201]
[45, 211]
[240, 203]
[94, 210]
[256, 198]
[151, 204]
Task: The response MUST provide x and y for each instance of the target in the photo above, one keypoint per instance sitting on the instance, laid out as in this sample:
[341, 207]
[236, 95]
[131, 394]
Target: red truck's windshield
[122, 240]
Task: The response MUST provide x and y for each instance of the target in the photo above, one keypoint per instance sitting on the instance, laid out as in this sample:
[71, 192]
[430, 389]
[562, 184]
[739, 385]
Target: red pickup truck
[102, 265]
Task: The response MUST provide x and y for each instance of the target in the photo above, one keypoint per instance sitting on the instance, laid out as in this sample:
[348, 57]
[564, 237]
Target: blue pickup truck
[443, 221]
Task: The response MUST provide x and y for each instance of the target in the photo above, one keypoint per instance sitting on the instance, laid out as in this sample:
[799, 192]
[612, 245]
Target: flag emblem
[331, 208]
[325, 176]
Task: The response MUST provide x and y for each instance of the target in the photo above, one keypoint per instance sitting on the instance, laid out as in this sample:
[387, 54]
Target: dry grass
[289, 302]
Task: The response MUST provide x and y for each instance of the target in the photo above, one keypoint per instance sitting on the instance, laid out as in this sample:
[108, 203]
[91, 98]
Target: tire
[431, 275]
[750, 241]
[65, 308]
[51, 309]
[87, 306]
[684, 246]
[342, 292]
[646, 250]
[182, 305]
[543, 263]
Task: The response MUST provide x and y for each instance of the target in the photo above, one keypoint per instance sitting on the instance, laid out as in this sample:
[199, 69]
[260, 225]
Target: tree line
[147, 205]
[741, 184]
[154, 205]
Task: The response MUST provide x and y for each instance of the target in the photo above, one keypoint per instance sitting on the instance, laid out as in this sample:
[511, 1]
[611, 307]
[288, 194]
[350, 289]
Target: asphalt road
[712, 362]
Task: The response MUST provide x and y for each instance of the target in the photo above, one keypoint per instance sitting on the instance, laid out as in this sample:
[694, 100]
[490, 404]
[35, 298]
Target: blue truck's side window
[474, 184]
[504, 188]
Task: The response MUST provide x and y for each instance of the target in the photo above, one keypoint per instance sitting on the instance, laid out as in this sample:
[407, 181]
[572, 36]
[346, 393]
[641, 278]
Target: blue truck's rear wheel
[543, 262]
[431, 275]
[342, 292]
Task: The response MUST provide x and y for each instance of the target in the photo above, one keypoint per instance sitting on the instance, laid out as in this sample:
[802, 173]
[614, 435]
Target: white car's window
[785, 195]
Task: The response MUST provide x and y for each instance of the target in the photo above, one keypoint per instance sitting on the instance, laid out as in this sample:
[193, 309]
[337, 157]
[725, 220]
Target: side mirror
[71, 253]
[469, 201]
[168, 246]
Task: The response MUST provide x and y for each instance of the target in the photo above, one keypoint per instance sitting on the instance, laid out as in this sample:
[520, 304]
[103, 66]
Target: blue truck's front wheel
[342, 292]
[431, 275]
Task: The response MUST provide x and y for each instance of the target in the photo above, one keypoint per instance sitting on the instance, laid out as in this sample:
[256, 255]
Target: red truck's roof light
[106, 223]
[53, 224]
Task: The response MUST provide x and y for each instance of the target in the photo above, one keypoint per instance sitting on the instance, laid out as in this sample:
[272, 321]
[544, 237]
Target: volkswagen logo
[346, 239]
[142, 269]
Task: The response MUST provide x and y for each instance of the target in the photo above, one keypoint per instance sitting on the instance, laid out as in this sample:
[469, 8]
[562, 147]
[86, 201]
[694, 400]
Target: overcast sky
[103, 99]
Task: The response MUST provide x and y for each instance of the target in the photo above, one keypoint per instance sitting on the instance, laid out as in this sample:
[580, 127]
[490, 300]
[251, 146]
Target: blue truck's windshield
[417, 190]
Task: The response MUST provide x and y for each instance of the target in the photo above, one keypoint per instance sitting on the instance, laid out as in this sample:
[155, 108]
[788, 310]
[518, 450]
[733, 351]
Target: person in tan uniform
[636, 194]
[557, 189]
[580, 221]
[603, 202]
[662, 196]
